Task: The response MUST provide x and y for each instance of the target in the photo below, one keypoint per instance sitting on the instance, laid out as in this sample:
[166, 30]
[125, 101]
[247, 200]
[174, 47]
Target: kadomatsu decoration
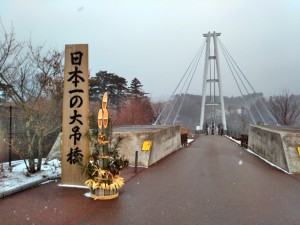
[103, 169]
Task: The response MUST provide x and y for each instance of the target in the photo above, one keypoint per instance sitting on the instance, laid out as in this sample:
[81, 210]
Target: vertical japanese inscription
[75, 141]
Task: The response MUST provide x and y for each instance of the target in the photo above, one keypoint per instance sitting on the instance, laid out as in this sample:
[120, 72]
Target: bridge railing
[235, 134]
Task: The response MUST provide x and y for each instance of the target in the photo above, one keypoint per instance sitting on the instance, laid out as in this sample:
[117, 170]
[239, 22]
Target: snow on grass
[18, 176]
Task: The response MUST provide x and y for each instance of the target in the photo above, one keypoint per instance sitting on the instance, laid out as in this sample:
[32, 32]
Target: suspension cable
[239, 68]
[195, 68]
[251, 99]
[178, 96]
[168, 102]
[225, 56]
[266, 108]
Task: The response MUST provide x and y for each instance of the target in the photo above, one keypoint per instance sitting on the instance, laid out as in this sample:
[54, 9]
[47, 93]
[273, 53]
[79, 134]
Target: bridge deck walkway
[213, 181]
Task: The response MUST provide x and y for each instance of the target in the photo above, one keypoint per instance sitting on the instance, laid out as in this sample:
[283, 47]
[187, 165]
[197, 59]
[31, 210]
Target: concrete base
[55, 152]
[277, 145]
[165, 140]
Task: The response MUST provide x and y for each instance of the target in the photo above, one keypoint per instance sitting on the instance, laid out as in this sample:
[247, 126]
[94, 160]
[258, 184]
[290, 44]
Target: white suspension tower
[214, 80]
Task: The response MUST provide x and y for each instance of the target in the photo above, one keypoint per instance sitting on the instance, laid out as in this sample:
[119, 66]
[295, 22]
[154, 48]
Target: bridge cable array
[188, 76]
[239, 77]
[239, 74]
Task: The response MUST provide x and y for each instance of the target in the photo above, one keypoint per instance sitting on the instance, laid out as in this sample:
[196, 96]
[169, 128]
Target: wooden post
[75, 125]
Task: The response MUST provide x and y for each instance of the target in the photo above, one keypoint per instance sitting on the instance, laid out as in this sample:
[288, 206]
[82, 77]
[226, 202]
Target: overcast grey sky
[155, 40]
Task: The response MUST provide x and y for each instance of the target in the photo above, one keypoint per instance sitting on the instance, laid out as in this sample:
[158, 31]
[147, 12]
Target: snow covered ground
[18, 177]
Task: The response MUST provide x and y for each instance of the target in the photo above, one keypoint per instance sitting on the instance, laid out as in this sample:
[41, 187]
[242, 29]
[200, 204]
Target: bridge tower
[214, 80]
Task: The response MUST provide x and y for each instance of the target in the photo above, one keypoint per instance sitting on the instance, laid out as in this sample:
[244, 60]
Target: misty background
[156, 40]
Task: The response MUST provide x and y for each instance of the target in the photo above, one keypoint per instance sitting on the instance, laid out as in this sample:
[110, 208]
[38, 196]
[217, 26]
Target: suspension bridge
[212, 105]
[211, 181]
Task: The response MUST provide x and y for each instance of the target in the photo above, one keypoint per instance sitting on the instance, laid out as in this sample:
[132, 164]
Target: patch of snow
[17, 177]
[272, 164]
[73, 186]
[190, 140]
[234, 140]
[87, 195]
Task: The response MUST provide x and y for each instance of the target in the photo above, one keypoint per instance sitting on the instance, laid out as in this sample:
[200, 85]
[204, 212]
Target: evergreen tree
[108, 82]
[98, 84]
[135, 88]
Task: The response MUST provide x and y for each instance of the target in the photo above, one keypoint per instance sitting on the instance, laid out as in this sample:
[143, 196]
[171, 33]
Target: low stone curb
[27, 186]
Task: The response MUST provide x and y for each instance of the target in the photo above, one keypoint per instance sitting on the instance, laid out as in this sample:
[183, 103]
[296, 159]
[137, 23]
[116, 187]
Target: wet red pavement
[213, 181]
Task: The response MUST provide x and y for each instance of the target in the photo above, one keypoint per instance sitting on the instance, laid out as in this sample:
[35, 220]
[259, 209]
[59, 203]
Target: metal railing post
[136, 161]
[10, 134]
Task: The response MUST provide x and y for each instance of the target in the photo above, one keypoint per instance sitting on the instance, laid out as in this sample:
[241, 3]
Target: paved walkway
[213, 181]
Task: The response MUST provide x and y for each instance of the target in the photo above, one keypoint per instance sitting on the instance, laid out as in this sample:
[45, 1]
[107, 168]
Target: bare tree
[10, 59]
[30, 74]
[284, 108]
[157, 108]
[244, 120]
[135, 111]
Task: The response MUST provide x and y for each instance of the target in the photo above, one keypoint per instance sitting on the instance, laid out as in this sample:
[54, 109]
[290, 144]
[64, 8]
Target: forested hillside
[240, 111]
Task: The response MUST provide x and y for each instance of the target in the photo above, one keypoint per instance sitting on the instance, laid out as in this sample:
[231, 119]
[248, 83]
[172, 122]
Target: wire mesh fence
[13, 144]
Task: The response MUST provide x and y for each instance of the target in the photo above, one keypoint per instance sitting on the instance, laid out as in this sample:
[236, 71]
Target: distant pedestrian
[212, 127]
[206, 128]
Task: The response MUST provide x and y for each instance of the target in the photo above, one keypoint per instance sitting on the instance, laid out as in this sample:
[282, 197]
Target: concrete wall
[55, 152]
[165, 140]
[276, 144]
